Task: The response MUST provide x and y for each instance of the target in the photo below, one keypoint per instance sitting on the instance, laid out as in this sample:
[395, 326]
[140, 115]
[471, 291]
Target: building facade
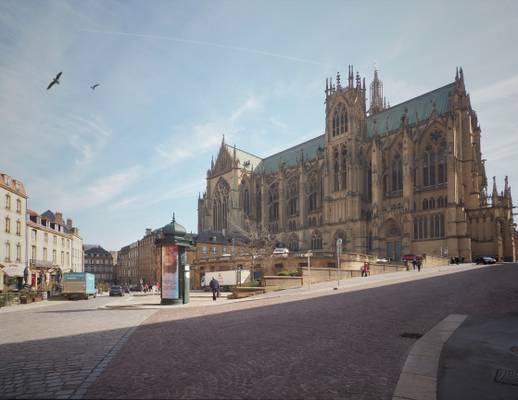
[99, 262]
[13, 233]
[52, 241]
[389, 181]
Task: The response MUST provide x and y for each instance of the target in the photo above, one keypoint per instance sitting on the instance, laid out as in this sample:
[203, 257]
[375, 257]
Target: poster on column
[170, 272]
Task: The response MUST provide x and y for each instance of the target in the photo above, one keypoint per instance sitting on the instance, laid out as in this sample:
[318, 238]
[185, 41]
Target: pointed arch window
[397, 173]
[293, 243]
[442, 170]
[340, 120]
[344, 167]
[273, 203]
[313, 194]
[258, 202]
[316, 241]
[293, 198]
[336, 170]
[220, 206]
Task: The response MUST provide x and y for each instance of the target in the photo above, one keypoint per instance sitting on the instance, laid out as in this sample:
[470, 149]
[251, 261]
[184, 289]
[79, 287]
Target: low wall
[434, 261]
[273, 283]
[244, 291]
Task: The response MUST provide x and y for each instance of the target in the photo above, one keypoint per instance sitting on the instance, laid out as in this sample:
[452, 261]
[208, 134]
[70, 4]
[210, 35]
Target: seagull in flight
[94, 86]
[54, 81]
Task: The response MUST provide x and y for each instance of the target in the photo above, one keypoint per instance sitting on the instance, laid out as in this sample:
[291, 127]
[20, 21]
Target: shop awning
[14, 270]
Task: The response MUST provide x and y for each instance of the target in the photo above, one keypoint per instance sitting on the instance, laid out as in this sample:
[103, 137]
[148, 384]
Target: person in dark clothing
[214, 285]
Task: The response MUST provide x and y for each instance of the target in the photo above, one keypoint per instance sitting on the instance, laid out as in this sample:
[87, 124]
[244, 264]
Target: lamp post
[338, 251]
[308, 255]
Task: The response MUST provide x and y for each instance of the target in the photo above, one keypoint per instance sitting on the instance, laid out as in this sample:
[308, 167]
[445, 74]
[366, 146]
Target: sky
[174, 76]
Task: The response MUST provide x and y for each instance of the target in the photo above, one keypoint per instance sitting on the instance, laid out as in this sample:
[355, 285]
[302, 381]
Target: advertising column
[170, 274]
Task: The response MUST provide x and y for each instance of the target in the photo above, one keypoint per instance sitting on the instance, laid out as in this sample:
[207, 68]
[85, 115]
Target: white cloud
[204, 136]
[504, 89]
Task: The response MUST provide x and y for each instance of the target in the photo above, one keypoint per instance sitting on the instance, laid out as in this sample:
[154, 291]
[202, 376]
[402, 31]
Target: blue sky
[176, 75]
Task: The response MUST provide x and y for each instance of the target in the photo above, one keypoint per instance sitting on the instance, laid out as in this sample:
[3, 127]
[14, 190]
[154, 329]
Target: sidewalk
[198, 298]
[480, 360]
[463, 357]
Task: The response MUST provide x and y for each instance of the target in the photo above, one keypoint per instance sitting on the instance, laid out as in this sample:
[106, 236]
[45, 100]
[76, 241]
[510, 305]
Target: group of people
[417, 263]
[456, 260]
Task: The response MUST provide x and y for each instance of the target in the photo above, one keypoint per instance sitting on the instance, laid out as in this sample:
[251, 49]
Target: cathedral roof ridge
[417, 97]
[231, 147]
[296, 145]
[419, 108]
[290, 155]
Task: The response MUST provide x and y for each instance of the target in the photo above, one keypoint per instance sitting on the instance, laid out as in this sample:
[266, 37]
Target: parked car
[485, 260]
[382, 260]
[281, 251]
[116, 290]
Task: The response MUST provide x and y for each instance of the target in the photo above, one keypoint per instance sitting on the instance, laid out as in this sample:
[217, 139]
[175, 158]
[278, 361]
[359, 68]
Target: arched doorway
[391, 240]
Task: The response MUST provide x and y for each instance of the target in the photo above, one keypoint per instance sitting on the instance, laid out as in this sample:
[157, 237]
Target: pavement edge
[418, 379]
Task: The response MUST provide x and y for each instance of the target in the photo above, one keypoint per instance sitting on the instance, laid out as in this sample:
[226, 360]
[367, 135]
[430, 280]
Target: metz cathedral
[389, 181]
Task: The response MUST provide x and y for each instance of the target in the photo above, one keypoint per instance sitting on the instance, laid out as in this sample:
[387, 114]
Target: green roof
[419, 108]
[289, 157]
[247, 160]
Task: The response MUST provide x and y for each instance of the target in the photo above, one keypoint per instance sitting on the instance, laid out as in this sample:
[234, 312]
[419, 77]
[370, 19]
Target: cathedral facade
[388, 181]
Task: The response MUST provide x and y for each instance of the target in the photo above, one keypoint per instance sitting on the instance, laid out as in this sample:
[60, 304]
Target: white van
[281, 252]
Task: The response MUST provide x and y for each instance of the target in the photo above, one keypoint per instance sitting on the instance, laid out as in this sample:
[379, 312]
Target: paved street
[51, 350]
[346, 345]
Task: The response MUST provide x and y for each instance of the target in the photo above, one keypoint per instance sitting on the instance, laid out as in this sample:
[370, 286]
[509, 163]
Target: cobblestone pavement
[346, 345]
[53, 350]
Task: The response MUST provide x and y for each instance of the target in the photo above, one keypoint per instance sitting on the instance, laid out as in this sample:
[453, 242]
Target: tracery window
[336, 170]
[258, 202]
[273, 202]
[442, 171]
[397, 173]
[316, 241]
[344, 168]
[434, 161]
[313, 194]
[245, 197]
[220, 206]
[293, 243]
[293, 197]
[339, 120]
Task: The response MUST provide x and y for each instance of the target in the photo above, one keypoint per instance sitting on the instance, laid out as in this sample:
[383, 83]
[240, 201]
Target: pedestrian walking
[414, 263]
[419, 264]
[214, 285]
[367, 268]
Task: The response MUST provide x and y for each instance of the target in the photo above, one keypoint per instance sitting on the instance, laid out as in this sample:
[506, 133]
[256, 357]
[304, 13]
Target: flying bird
[54, 81]
[94, 86]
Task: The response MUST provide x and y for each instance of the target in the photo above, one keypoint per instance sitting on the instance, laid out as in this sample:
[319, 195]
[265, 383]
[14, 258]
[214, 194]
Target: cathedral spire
[376, 89]
[338, 86]
[351, 77]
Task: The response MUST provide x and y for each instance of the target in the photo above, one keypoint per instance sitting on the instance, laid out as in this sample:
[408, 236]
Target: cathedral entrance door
[394, 250]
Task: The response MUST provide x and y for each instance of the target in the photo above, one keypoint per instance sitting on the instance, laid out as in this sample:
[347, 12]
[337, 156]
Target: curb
[418, 379]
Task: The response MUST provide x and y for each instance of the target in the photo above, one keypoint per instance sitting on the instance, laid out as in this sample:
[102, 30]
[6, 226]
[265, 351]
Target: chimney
[148, 232]
[69, 223]
[59, 218]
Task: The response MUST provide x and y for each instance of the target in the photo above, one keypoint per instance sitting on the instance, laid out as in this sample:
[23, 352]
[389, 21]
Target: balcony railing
[35, 263]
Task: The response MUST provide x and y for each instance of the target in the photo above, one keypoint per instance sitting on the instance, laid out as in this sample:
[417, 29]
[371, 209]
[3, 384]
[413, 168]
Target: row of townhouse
[36, 249]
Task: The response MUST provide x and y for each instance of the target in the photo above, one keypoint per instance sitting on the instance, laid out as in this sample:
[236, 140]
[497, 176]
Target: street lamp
[338, 251]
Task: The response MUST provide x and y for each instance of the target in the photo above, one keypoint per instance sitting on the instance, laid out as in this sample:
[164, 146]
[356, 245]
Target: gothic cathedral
[389, 181]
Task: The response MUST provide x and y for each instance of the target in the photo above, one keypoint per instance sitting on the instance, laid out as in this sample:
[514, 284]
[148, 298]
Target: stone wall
[273, 283]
